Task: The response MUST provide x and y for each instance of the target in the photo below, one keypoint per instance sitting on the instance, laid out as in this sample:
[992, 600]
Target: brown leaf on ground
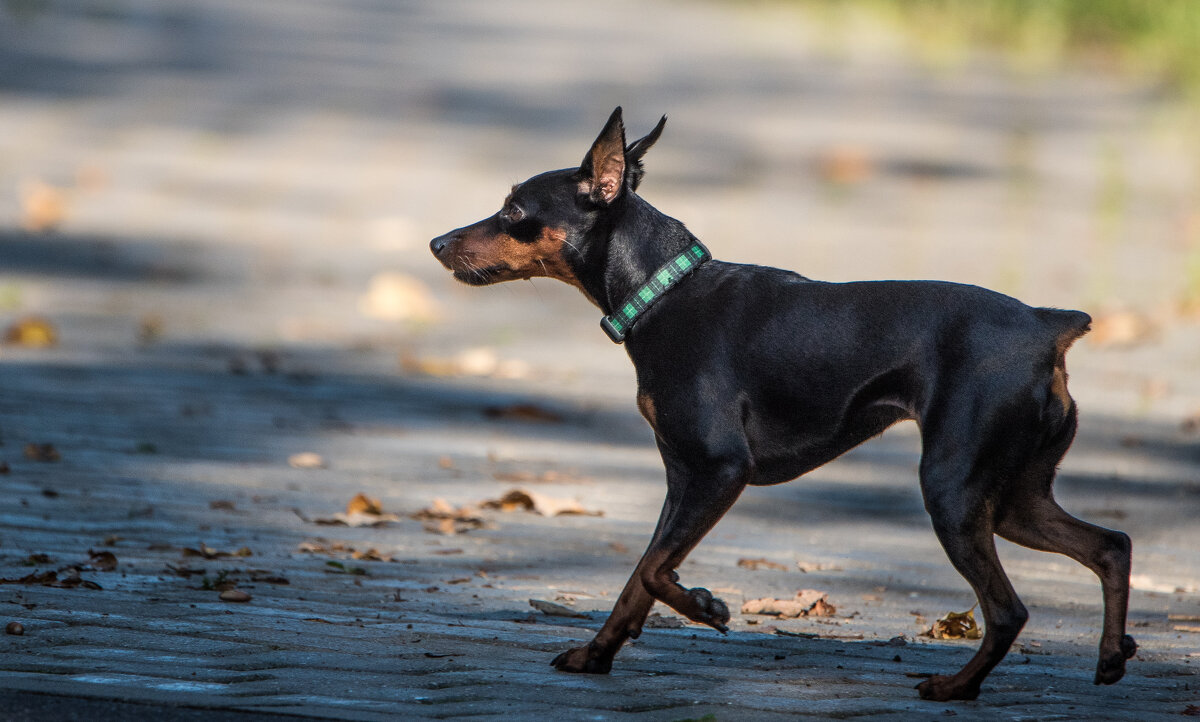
[306, 460]
[442, 518]
[207, 552]
[32, 332]
[523, 412]
[393, 296]
[222, 504]
[42, 452]
[71, 579]
[806, 603]
[362, 510]
[363, 504]
[47, 578]
[540, 503]
[43, 206]
[358, 519]
[481, 361]
[235, 595]
[956, 625]
[184, 571]
[845, 165]
[762, 563]
[821, 608]
[102, 561]
[371, 555]
[322, 547]
[1192, 710]
[817, 567]
[1120, 329]
[555, 610]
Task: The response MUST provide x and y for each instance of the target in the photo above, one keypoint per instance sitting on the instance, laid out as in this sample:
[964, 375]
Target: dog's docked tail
[1067, 326]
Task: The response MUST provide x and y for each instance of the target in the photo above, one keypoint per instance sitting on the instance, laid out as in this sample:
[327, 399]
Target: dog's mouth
[475, 276]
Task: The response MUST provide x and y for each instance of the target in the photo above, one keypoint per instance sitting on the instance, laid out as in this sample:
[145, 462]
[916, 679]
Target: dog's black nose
[439, 244]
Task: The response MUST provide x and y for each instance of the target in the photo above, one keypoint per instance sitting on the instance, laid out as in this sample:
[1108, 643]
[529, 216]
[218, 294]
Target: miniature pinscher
[756, 375]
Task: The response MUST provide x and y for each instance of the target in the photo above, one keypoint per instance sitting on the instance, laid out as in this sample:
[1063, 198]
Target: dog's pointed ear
[634, 153]
[602, 172]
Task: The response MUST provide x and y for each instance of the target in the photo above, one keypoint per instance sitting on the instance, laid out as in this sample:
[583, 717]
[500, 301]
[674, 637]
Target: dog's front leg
[695, 502]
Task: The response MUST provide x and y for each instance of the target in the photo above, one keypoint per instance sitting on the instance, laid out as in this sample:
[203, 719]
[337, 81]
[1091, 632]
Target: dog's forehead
[550, 184]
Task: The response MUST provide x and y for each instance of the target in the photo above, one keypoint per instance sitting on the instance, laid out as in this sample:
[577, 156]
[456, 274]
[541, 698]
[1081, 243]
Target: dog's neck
[637, 241]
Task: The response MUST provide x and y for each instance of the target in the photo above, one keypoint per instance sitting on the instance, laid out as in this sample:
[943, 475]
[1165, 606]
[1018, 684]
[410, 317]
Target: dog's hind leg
[958, 484]
[1030, 516]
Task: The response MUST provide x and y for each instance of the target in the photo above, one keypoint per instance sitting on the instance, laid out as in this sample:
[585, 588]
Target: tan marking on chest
[646, 406]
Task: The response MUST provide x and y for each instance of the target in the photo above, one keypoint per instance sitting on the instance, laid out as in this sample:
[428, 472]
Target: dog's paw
[940, 688]
[586, 659]
[709, 610]
[1111, 667]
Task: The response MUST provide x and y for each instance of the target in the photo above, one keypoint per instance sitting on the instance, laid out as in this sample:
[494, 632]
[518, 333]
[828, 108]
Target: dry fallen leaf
[806, 603]
[845, 165]
[442, 518]
[102, 561]
[357, 519]
[523, 412]
[32, 332]
[363, 504]
[43, 206]
[235, 595]
[306, 460]
[817, 567]
[540, 503]
[362, 510]
[42, 452]
[207, 552]
[763, 563]
[398, 297]
[555, 610]
[370, 555]
[478, 361]
[956, 625]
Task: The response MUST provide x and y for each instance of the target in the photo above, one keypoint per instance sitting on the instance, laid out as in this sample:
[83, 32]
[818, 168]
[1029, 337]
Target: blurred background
[189, 176]
[220, 319]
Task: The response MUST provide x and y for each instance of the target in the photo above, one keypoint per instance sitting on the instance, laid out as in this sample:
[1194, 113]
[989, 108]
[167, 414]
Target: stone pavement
[233, 177]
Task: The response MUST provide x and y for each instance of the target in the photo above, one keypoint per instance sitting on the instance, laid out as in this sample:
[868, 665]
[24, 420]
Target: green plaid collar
[621, 320]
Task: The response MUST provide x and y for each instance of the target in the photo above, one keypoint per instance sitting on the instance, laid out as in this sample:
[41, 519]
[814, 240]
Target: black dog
[753, 375]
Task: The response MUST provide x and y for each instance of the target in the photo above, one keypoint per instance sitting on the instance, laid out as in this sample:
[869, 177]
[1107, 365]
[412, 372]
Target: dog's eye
[512, 213]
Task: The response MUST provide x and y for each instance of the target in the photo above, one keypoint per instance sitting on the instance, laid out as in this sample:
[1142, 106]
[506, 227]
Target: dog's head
[548, 225]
